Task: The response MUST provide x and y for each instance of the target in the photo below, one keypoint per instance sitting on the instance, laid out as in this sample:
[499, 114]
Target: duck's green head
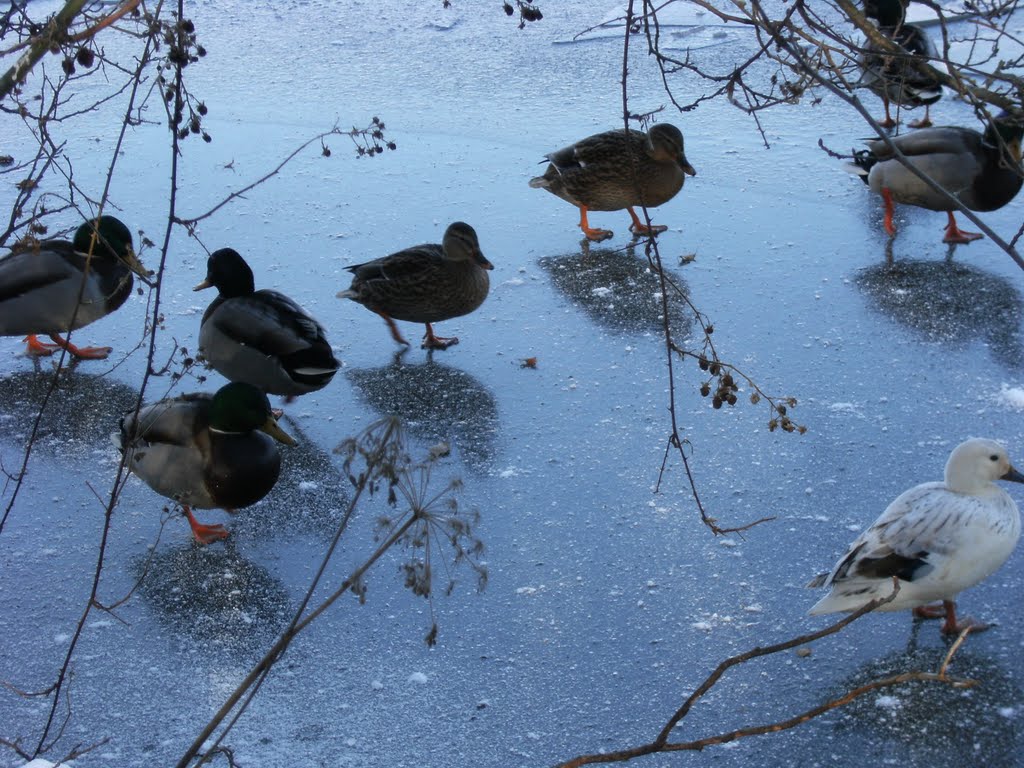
[1009, 130]
[227, 270]
[238, 408]
[460, 244]
[114, 240]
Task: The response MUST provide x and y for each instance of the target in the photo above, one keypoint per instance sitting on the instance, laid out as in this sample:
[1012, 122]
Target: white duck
[937, 538]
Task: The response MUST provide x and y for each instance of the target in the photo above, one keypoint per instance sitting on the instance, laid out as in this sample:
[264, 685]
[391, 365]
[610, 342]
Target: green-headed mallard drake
[894, 78]
[937, 538]
[612, 170]
[206, 451]
[425, 284]
[261, 337]
[55, 287]
[982, 170]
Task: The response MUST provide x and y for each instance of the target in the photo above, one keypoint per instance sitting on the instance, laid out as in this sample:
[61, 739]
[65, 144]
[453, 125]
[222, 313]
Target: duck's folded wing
[273, 324]
[407, 265]
[915, 530]
[948, 140]
[169, 422]
[28, 271]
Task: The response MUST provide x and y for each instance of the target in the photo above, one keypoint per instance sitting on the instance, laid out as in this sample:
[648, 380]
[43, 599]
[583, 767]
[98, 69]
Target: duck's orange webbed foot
[205, 534]
[956, 235]
[36, 348]
[430, 341]
[642, 230]
[951, 626]
[594, 235]
[393, 327]
[924, 122]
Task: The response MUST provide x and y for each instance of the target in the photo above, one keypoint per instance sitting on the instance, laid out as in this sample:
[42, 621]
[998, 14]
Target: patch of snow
[1012, 397]
[417, 677]
[888, 702]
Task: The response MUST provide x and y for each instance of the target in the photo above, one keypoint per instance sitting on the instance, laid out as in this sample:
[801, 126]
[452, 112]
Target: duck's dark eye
[994, 457]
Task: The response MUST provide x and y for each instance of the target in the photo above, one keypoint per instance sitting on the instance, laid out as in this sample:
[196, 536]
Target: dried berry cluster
[527, 11]
[784, 422]
[726, 387]
[84, 57]
[182, 50]
[371, 140]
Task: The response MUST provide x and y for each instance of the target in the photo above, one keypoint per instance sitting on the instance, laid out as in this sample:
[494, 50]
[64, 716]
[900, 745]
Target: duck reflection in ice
[934, 723]
[618, 290]
[213, 596]
[436, 402]
[949, 302]
[76, 419]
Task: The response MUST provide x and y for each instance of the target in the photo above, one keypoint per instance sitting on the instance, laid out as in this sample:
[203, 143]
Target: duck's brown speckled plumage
[425, 283]
[614, 170]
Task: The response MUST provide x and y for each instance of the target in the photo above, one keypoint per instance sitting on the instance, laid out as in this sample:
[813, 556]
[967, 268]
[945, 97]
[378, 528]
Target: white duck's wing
[910, 540]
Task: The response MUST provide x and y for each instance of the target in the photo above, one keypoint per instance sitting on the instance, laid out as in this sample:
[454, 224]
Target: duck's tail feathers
[851, 595]
[817, 581]
[539, 182]
[863, 162]
[924, 94]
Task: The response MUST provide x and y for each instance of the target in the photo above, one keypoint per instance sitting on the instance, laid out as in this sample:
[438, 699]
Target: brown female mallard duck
[612, 170]
[894, 78]
[206, 451]
[425, 283]
[982, 170]
[57, 287]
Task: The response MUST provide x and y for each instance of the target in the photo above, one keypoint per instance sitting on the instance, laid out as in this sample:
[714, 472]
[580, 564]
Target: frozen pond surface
[607, 604]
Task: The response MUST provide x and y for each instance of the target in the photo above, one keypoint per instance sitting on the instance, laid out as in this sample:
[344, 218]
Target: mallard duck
[610, 171]
[972, 166]
[261, 337]
[937, 538]
[894, 78]
[206, 451]
[55, 287]
[425, 283]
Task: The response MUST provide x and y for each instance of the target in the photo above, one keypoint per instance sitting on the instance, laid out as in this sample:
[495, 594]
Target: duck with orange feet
[616, 170]
[206, 451]
[53, 286]
[982, 170]
[425, 283]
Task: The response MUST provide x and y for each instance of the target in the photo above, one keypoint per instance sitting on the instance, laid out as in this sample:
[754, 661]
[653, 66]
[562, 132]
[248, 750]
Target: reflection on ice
[933, 723]
[949, 302]
[82, 410]
[618, 290]
[435, 402]
[214, 597]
